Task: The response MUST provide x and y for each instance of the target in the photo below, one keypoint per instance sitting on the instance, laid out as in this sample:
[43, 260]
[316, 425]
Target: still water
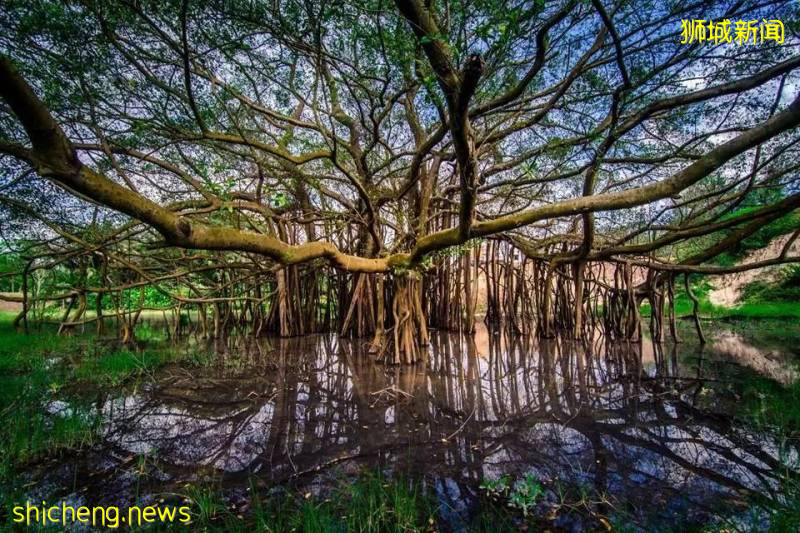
[641, 430]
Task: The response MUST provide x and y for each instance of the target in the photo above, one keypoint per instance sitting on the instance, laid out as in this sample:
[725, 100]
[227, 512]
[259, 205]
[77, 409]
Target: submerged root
[410, 330]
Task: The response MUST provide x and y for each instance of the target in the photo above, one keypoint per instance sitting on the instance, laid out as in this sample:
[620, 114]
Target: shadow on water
[631, 429]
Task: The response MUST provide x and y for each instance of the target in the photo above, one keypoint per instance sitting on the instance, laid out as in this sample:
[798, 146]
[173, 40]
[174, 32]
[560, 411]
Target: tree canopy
[418, 126]
[373, 135]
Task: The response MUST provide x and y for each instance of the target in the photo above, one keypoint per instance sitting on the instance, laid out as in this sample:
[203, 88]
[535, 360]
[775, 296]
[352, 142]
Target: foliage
[496, 488]
[10, 263]
[48, 384]
[752, 307]
[786, 289]
[522, 495]
[239, 125]
[370, 503]
[526, 493]
[760, 239]
[438, 256]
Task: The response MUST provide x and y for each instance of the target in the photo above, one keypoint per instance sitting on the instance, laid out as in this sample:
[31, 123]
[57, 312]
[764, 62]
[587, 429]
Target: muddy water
[633, 429]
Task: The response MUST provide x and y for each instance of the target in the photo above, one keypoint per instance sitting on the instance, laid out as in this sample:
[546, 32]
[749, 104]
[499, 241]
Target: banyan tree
[372, 167]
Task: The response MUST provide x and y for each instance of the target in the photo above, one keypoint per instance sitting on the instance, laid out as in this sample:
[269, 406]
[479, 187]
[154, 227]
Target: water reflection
[626, 421]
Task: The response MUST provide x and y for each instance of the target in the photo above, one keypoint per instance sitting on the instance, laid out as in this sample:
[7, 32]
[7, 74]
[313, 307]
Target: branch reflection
[625, 420]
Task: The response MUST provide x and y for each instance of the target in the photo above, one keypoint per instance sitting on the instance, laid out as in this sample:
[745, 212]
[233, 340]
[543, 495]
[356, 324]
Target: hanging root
[695, 309]
[409, 329]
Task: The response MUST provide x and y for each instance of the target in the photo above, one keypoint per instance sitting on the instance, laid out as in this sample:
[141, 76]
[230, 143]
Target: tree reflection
[625, 420]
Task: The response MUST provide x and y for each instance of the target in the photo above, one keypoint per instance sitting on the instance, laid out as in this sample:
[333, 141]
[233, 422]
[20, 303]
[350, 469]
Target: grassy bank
[754, 306]
[40, 374]
[370, 503]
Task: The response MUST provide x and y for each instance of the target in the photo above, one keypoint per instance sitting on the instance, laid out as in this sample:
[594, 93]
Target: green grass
[759, 239]
[370, 503]
[119, 365]
[780, 299]
[753, 308]
[28, 381]
[42, 370]
[759, 310]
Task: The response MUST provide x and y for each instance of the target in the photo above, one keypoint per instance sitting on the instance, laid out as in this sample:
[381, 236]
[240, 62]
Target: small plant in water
[522, 495]
[526, 493]
[208, 502]
[496, 488]
[201, 358]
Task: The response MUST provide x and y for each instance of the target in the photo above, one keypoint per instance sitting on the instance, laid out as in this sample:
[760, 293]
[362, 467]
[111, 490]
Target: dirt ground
[728, 288]
[10, 306]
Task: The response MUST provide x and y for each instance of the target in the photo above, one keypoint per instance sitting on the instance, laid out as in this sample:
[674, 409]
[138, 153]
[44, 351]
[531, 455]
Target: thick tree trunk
[410, 328]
